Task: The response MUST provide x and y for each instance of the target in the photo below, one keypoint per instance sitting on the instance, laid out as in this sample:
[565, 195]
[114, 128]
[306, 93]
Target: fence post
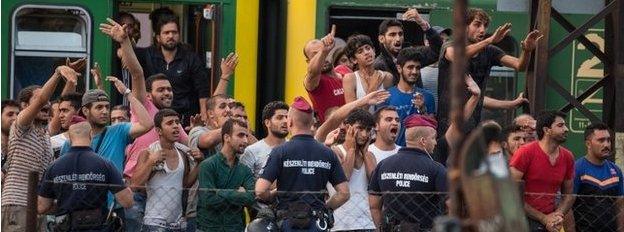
[31, 211]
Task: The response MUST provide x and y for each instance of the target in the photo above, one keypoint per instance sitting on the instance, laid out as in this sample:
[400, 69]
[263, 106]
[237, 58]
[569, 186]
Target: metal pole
[458, 70]
[31, 210]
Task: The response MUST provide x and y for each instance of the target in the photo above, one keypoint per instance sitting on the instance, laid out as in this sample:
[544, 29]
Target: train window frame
[34, 51]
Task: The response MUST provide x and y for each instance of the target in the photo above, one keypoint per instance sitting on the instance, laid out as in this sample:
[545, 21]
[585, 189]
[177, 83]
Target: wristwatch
[128, 91]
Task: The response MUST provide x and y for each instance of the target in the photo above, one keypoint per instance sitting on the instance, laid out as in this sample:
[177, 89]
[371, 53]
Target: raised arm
[341, 113]
[118, 33]
[491, 103]
[475, 48]
[145, 122]
[96, 73]
[313, 76]
[528, 45]
[28, 114]
[228, 65]
[469, 107]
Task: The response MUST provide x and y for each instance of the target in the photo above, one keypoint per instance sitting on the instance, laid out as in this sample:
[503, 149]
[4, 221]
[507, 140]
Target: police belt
[80, 220]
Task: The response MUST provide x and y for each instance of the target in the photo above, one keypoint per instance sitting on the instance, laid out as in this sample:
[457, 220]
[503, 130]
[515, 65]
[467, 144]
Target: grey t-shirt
[194, 135]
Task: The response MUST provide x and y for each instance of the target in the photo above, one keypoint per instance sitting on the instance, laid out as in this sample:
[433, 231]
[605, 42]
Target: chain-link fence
[199, 209]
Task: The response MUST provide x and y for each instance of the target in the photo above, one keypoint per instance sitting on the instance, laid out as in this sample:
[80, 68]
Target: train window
[43, 36]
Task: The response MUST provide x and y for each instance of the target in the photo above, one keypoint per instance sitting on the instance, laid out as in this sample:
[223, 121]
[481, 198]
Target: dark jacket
[429, 53]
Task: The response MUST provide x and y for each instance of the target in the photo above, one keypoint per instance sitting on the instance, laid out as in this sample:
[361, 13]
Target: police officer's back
[302, 164]
[80, 181]
[411, 173]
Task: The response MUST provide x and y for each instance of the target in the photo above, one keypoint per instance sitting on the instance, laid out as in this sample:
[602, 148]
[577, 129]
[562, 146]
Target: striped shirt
[29, 150]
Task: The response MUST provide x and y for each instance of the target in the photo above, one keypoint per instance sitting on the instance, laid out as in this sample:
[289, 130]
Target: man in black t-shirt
[302, 164]
[483, 55]
[397, 183]
[79, 181]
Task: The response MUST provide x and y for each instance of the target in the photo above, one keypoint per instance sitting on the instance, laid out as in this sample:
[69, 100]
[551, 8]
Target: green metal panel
[100, 44]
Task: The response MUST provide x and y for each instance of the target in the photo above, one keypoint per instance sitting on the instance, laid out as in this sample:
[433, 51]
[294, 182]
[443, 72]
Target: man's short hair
[25, 94]
[151, 79]
[269, 109]
[409, 54]
[361, 116]
[211, 103]
[122, 108]
[383, 27]
[477, 13]
[546, 119]
[491, 132]
[165, 19]
[158, 118]
[156, 14]
[74, 99]
[9, 102]
[228, 126]
[510, 130]
[238, 104]
[377, 114]
[356, 41]
[589, 130]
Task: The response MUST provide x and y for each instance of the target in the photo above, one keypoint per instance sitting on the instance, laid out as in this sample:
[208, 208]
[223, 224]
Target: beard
[279, 134]
[169, 46]
[409, 82]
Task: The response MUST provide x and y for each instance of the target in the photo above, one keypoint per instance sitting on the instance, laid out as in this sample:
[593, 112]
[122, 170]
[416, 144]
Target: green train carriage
[269, 36]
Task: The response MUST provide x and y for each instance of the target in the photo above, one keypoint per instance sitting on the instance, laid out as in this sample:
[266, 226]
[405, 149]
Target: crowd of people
[375, 137]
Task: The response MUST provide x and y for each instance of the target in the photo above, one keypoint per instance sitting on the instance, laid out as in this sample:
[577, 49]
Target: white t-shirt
[381, 154]
[255, 156]
[57, 142]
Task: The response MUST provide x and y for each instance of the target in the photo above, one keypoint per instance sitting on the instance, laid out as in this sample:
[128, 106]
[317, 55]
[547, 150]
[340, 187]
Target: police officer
[397, 179]
[79, 181]
[302, 164]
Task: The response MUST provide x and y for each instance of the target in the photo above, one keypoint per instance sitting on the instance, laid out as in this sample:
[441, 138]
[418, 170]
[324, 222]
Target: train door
[42, 37]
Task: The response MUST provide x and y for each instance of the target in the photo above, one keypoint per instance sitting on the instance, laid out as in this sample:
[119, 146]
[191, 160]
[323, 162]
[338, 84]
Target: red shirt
[542, 177]
[329, 93]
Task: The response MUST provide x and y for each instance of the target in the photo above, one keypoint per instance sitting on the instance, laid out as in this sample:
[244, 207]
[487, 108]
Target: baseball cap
[441, 30]
[94, 95]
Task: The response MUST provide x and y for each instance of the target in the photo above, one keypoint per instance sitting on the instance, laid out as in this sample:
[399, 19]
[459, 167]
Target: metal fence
[416, 210]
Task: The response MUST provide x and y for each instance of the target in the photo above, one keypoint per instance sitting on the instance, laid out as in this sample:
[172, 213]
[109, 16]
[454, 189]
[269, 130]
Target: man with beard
[10, 109]
[324, 86]
[530, 164]
[482, 55]
[391, 38]
[513, 138]
[182, 67]
[165, 168]
[29, 147]
[69, 105]
[387, 125]
[358, 164]
[274, 116]
[302, 164]
[406, 96]
[596, 175]
[207, 137]
[222, 210]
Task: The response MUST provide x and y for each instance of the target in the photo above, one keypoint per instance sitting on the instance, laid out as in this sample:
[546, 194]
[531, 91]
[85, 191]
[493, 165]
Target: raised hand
[77, 65]
[520, 99]
[331, 137]
[412, 15]
[530, 42]
[472, 86]
[376, 97]
[96, 73]
[500, 33]
[350, 142]
[114, 30]
[196, 120]
[68, 73]
[121, 88]
[228, 64]
[328, 40]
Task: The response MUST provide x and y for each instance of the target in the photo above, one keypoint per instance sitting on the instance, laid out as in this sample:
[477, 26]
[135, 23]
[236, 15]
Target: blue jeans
[134, 214]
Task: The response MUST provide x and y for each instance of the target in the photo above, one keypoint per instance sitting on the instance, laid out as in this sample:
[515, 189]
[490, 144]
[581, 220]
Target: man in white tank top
[387, 125]
[358, 164]
[164, 169]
